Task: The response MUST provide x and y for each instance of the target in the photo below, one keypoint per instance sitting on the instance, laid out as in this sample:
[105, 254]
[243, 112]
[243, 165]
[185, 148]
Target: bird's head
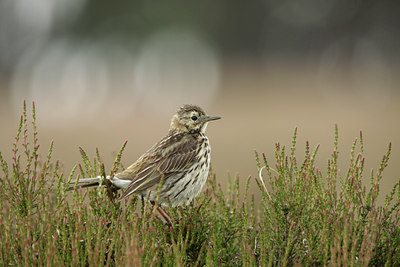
[190, 118]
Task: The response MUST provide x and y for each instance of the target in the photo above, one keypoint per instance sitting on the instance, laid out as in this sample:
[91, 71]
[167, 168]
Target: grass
[307, 216]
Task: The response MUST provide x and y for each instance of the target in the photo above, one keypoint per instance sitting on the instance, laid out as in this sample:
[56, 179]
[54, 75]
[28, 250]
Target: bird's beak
[211, 118]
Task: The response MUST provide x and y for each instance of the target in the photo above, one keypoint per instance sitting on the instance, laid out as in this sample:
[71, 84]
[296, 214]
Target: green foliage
[307, 216]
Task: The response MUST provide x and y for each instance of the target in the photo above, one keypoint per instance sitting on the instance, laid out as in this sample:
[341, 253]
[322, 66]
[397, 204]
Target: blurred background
[101, 73]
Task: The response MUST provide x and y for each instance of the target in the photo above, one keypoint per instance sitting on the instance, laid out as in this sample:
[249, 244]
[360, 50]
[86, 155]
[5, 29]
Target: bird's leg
[163, 213]
[199, 207]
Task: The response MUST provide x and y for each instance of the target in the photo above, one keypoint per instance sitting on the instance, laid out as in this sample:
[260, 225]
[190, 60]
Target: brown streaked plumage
[182, 158]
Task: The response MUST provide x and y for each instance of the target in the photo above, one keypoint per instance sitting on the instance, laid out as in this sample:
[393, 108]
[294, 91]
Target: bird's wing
[171, 155]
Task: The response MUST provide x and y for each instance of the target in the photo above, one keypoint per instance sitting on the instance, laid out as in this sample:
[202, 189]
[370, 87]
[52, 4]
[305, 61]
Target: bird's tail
[85, 182]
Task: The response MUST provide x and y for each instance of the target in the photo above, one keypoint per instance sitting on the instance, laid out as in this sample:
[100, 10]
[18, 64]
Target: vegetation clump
[307, 216]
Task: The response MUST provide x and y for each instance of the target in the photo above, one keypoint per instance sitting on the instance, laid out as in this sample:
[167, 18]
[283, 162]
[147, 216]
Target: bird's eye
[194, 118]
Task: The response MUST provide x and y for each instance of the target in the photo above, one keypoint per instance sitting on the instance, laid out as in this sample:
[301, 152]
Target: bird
[181, 160]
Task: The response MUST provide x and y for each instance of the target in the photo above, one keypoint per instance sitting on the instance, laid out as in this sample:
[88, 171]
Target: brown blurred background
[102, 73]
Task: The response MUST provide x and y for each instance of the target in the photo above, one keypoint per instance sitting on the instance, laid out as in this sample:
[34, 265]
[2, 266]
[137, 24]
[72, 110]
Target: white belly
[186, 188]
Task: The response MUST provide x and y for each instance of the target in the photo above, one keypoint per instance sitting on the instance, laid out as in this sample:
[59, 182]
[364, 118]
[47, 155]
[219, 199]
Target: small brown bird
[182, 158]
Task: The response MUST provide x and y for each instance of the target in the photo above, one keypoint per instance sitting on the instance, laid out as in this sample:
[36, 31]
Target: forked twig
[262, 182]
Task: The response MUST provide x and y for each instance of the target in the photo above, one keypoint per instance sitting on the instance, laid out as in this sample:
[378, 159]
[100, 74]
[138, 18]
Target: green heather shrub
[306, 216]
